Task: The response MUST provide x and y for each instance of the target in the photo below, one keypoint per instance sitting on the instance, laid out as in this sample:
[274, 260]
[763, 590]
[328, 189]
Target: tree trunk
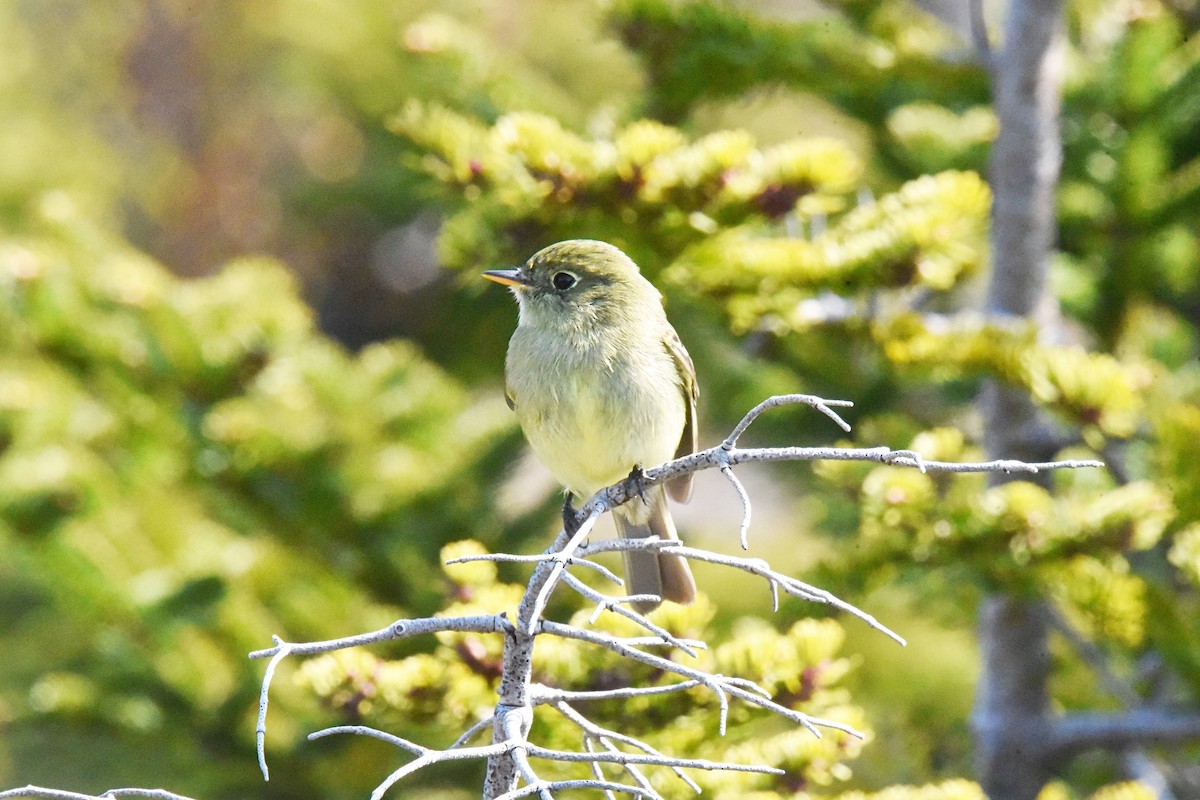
[1011, 719]
[1011, 715]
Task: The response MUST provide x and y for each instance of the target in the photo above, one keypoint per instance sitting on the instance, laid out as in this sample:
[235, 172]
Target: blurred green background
[250, 382]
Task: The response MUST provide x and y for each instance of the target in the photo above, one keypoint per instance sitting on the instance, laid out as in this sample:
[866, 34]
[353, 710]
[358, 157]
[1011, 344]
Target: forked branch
[510, 771]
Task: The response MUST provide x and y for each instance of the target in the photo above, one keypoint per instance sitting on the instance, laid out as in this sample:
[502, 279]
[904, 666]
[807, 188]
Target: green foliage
[526, 182]
[1094, 390]
[188, 466]
[868, 59]
[950, 790]
[1185, 552]
[1177, 426]
[1127, 790]
[839, 292]
[1015, 534]
[929, 137]
[928, 234]
[1132, 168]
[173, 456]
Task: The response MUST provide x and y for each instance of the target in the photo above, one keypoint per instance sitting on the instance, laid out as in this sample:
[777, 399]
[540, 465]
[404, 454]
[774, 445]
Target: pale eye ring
[563, 281]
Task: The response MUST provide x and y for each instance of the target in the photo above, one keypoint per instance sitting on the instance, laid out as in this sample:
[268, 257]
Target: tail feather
[648, 572]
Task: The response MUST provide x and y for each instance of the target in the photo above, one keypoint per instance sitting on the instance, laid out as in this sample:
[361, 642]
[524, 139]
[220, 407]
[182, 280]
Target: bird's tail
[648, 572]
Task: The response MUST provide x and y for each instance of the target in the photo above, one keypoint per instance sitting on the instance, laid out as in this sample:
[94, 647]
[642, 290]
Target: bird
[602, 387]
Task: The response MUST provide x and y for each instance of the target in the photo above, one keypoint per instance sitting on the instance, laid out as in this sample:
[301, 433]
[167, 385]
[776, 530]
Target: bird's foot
[637, 476]
[570, 516]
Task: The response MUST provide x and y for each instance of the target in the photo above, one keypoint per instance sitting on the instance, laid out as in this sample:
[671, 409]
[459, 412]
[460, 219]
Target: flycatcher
[602, 385]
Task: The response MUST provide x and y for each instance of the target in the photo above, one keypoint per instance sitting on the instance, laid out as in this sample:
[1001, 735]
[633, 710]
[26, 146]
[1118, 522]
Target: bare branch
[606, 737]
[514, 731]
[1138, 766]
[522, 751]
[400, 629]
[718, 684]
[561, 556]
[509, 755]
[605, 603]
[727, 454]
[425, 756]
[397, 630]
[546, 788]
[473, 731]
[792, 586]
[534, 559]
[824, 406]
[1077, 732]
[542, 694]
[744, 530]
[42, 793]
[755, 566]
[50, 794]
[260, 730]
[707, 459]
[598, 773]
[618, 757]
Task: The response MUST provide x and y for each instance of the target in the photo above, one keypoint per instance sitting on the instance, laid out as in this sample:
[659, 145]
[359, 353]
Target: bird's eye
[563, 281]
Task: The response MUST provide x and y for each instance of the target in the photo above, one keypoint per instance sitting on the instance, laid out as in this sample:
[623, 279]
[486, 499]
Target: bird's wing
[680, 488]
[508, 398]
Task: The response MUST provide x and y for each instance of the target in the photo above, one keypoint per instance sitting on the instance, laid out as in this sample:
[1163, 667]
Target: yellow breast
[593, 428]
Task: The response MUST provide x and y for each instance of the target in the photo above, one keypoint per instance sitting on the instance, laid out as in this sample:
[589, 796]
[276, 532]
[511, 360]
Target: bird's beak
[509, 277]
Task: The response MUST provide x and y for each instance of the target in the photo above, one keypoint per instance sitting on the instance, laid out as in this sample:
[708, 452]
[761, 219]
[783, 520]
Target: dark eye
[563, 281]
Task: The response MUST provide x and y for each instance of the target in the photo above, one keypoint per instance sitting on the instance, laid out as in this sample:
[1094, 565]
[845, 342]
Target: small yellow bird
[602, 386]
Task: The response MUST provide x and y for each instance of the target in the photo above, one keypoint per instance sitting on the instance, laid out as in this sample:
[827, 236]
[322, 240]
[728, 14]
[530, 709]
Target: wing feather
[680, 488]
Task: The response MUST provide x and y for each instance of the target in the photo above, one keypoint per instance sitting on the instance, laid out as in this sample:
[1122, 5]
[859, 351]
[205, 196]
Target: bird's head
[575, 283]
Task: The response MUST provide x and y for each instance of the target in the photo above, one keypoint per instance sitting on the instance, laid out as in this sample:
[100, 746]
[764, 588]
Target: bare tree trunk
[1011, 714]
[1027, 154]
[501, 776]
[1011, 719]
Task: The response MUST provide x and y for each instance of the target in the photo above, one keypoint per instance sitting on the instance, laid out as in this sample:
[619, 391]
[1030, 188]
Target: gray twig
[42, 793]
[511, 751]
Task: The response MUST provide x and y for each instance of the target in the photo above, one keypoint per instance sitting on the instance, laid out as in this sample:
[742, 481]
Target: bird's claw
[570, 516]
[638, 476]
